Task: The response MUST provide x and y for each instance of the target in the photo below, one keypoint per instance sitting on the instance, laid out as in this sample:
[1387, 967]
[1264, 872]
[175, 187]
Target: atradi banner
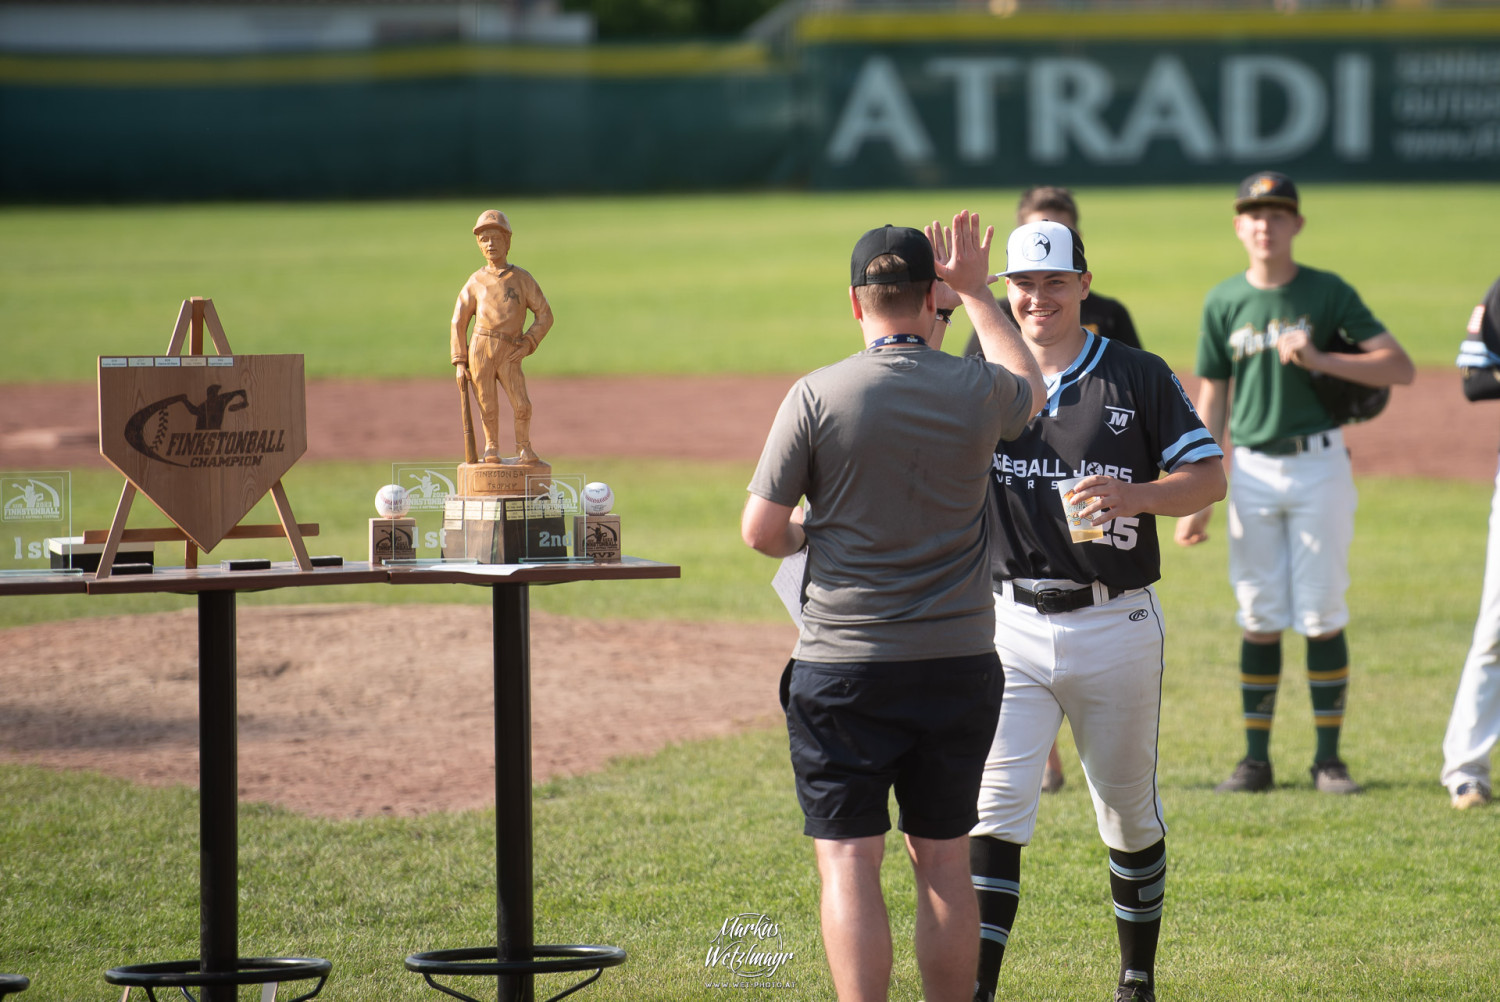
[1009, 110]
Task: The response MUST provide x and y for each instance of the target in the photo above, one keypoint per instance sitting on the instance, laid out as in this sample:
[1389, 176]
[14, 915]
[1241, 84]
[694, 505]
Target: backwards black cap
[906, 243]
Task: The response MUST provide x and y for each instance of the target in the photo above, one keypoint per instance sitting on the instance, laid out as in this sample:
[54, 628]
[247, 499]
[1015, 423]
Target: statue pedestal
[497, 516]
[504, 479]
[504, 530]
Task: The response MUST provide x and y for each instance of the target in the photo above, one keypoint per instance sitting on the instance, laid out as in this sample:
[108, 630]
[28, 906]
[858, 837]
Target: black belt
[1050, 601]
[1292, 446]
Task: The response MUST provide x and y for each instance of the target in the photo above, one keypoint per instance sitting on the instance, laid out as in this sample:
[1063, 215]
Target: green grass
[1280, 896]
[679, 513]
[662, 284]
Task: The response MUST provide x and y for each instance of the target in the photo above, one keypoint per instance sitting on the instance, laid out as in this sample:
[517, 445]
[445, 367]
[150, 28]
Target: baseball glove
[1481, 384]
[1346, 402]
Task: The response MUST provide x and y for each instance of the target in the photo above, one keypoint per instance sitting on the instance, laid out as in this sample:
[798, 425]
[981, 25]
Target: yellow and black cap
[1266, 188]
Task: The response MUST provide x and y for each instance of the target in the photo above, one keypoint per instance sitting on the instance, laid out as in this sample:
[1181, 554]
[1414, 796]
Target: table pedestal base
[185, 974]
[481, 960]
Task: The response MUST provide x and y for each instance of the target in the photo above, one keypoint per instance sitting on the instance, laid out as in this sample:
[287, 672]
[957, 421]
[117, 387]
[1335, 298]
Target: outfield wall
[857, 101]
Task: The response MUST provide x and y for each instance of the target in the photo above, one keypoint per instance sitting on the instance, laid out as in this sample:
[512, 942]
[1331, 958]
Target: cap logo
[1037, 247]
[1261, 186]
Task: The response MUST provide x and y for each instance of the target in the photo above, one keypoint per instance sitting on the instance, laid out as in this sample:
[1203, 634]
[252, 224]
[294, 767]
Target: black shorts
[859, 729]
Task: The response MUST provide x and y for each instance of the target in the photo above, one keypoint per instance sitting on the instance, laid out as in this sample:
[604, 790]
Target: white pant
[1100, 667]
[1291, 521]
[1475, 722]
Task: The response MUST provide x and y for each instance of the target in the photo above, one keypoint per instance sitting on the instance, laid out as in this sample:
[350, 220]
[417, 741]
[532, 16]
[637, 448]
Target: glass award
[552, 503]
[36, 515]
[428, 487]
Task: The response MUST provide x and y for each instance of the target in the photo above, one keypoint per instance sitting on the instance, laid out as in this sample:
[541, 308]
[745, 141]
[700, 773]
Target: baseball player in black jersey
[1077, 624]
[1474, 724]
[1099, 315]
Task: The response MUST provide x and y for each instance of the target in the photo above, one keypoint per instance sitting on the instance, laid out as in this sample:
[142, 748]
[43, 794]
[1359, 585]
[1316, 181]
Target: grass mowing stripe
[662, 284]
[675, 512]
[688, 514]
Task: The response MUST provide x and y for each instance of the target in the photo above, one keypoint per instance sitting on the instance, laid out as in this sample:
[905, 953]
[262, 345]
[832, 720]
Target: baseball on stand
[598, 498]
[391, 501]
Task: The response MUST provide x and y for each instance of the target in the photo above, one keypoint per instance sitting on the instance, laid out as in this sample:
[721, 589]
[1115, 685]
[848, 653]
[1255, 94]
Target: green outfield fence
[851, 99]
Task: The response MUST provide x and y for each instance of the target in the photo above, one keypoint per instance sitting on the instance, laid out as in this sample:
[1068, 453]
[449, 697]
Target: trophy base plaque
[504, 530]
[73, 553]
[392, 539]
[504, 479]
[600, 537]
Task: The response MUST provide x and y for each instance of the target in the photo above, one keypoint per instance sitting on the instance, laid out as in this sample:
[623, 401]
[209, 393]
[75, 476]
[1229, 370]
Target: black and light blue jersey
[1481, 348]
[1115, 411]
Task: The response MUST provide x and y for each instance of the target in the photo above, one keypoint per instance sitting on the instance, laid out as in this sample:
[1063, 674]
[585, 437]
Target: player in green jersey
[1270, 334]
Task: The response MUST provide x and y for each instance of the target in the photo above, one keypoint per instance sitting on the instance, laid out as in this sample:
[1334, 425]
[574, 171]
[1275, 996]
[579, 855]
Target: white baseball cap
[1044, 246]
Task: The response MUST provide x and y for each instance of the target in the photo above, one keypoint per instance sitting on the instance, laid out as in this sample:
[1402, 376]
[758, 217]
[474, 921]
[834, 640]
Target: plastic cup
[1081, 529]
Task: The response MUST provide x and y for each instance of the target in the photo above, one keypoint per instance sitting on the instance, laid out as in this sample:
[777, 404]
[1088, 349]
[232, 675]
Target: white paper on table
[788, 583]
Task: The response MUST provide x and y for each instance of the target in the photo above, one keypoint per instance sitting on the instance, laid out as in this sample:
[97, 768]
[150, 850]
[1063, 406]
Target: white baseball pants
[1101, 668]
[1474, 725]
[1291, 522]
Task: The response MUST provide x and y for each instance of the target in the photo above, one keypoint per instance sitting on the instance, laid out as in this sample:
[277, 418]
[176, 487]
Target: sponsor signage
[1012, 111]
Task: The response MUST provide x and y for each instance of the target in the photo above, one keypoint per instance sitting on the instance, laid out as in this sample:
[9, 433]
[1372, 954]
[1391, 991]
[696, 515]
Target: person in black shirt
[1078, 626]
[1101, 315]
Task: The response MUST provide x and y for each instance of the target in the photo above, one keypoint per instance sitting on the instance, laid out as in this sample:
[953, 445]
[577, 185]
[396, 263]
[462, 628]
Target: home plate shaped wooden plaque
[204, 437]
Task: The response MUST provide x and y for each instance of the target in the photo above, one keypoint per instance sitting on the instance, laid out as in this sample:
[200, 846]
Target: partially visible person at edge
[1266, 334]
[1100, 315]
[1077, 624]
[1474, 725]
[895, 682]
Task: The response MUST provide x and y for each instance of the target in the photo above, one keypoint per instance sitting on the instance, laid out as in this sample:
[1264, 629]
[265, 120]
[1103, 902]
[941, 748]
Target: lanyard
[898, 339]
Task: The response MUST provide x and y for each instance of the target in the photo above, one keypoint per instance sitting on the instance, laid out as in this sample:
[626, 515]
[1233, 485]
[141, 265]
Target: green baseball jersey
[1238, 338]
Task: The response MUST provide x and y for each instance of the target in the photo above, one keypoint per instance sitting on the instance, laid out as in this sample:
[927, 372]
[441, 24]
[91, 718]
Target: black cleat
[1249, 776]
[1332, 776]
[1134, 991]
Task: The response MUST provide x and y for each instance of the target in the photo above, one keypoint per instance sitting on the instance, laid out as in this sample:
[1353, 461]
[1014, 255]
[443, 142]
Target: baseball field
[664, 803]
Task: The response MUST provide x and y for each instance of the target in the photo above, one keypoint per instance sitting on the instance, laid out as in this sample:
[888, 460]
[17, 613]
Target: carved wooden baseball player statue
[496, 298]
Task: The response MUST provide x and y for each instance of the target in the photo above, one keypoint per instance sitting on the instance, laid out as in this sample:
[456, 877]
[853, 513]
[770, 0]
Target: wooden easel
[196, 313]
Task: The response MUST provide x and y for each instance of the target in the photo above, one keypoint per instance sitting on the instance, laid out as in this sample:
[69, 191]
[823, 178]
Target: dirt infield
[704, 418]
[352, 718]
[341, 715]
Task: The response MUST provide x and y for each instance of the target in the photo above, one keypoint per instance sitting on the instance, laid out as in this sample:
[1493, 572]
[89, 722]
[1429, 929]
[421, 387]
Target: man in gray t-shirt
[895, 683]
